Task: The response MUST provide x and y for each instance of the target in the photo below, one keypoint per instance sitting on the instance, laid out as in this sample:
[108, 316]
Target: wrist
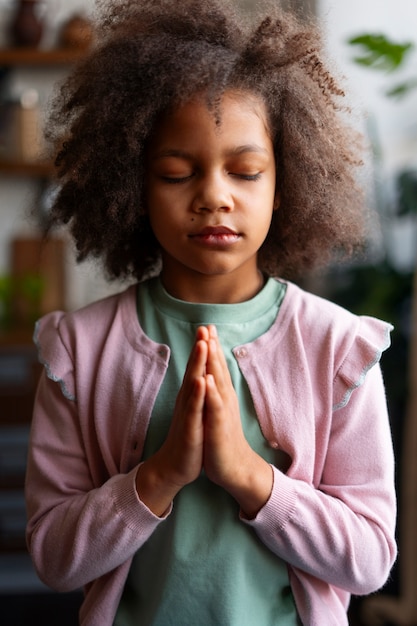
[253, 486]
[153, 489]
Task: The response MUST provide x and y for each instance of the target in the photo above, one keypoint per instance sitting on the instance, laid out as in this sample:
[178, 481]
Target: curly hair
[152, 56]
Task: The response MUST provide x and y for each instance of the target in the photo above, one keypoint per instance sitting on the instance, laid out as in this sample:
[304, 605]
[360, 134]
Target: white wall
[396, 120]
[393, 122]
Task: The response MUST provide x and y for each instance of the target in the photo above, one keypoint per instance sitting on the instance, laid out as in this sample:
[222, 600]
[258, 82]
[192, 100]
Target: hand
[225, 445]
[205, 429]
[179, 460]
[229, 460]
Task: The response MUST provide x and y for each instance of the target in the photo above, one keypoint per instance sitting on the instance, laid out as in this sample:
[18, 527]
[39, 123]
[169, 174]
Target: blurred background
[373, 46]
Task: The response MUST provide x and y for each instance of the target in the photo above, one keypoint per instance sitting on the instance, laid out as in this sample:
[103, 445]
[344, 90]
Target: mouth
[216, 235]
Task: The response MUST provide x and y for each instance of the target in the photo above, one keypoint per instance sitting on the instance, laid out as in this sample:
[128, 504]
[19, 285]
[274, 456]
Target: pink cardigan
[318, 392]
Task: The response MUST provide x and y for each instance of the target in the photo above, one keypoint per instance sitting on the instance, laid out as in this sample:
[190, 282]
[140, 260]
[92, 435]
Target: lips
[216, 235]
[214, 230]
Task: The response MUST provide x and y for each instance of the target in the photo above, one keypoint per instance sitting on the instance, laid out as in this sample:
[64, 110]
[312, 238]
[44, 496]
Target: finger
[202, 333]
[189, 409]
[217, 347]
[213, 398]
[196, 368]
[197, 360]
[196, 399]
[216, 361]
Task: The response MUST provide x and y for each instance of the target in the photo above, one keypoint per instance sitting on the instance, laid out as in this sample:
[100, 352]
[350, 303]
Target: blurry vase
[76, 33]
[26, 27]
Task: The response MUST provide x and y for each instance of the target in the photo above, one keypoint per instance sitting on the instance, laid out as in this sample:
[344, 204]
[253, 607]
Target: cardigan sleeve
[342, 530]
[53, 354]
[77, 530]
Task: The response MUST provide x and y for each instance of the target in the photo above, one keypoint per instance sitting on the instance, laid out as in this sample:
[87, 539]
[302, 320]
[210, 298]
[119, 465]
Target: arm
[341, 532]
[79, 529]
[76, 531]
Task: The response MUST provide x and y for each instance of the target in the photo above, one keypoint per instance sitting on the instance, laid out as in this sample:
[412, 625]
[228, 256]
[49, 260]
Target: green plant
[6, 297]
[20, 300]
[382, 54]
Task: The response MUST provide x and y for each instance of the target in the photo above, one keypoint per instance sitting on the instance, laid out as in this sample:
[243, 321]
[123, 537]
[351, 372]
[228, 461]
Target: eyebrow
[183, 154]
[250, 147]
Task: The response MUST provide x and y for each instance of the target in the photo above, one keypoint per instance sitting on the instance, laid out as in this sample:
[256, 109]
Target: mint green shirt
[202, 566]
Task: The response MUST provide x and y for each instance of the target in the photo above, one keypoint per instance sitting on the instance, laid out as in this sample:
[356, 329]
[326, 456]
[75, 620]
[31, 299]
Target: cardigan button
[241, 353]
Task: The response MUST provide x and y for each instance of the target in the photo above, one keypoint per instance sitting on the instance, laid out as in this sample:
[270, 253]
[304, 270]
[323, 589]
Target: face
[210, 197]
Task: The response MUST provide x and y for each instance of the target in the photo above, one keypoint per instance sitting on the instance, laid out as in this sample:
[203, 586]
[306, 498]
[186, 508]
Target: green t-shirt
[202, 566]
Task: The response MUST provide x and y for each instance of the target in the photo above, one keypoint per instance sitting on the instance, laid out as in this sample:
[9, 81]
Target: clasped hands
[205, 432]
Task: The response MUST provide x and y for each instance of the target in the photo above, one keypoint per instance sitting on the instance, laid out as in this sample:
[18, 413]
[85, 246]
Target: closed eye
[176, 180]
[249, 177]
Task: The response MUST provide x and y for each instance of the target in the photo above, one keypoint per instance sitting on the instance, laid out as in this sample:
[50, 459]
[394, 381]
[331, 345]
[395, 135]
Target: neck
[213, 289]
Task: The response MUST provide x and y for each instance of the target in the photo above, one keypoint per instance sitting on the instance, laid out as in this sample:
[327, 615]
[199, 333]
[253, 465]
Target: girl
[210, 446]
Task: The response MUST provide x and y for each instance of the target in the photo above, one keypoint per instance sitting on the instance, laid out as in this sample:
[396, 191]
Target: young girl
[210, 446]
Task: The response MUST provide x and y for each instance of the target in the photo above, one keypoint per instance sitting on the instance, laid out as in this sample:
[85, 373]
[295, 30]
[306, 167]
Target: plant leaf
[379, 52]
[403, 89]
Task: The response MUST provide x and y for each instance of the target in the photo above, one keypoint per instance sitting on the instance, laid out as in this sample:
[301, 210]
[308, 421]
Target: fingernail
[213, 331]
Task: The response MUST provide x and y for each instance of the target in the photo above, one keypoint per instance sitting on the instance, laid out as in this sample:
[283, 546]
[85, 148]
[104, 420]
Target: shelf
[34, 169]
[20, 338]
[40, 57]
[13, 58]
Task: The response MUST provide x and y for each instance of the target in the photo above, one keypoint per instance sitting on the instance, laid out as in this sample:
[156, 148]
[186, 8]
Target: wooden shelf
[16, 337]
[37, 169]
[40, 57]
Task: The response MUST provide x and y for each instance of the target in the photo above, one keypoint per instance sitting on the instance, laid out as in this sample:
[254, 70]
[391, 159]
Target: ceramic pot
[77, 32]
[26, 27]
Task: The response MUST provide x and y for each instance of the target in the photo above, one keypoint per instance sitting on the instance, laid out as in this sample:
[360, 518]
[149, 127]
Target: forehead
[235, 117]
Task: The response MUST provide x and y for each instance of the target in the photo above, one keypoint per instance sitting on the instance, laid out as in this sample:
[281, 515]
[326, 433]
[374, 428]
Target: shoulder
[339, 345]
[89, 322]
[78, 340]
[317, 317]
[312, 309]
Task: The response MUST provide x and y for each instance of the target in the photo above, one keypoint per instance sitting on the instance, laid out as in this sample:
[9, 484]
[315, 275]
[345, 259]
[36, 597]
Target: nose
[213, 194]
